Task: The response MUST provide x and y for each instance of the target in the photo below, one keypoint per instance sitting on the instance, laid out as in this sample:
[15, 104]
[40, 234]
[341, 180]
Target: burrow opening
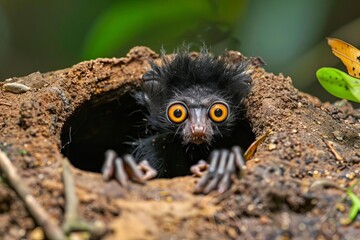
[109, 122]
[99, 125]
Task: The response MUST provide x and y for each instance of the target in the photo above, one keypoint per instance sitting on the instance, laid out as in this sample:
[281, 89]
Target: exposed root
[72, 221]
[37, 212]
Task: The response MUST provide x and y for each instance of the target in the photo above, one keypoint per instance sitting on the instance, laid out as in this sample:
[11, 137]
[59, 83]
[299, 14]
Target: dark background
[46, 35]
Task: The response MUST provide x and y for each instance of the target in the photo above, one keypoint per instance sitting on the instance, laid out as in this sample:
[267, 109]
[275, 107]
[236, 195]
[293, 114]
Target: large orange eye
[177, 112]
[219, 112]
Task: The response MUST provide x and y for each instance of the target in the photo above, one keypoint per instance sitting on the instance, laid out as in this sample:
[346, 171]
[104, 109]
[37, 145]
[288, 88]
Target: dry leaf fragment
[252, 148]
[348, 54]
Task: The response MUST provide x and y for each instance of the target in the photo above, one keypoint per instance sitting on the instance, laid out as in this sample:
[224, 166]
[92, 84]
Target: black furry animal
[195, 113]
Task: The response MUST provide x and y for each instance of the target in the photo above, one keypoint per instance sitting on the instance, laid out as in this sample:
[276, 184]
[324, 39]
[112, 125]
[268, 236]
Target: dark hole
[95, 128]
[108, 123]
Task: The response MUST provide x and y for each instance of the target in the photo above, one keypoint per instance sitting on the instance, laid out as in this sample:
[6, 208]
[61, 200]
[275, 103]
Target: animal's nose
[198, 131]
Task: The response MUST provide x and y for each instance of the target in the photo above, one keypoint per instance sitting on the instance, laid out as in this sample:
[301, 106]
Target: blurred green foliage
[4, 36]
[151, 22]
[289, 35]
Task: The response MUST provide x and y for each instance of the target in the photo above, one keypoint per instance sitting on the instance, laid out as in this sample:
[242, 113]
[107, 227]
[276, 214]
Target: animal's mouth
[197, 140]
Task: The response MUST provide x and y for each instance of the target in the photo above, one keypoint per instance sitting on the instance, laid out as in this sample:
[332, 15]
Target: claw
[219, 174]
[200, 186]
[211, 185]
[223, 158]
[125, 168]
[224, 165]
[132, 169]
[214, 157]
[225, 182]
[239, 158]
[120, 174]
[108, 168]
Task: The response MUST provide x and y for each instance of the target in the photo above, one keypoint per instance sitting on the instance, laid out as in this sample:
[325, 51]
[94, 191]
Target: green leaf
[339, 83]
[355, 207]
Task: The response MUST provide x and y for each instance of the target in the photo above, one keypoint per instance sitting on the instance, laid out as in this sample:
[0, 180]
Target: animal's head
[198, 98]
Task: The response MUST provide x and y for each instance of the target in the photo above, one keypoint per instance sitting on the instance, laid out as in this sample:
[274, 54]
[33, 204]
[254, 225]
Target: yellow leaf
[348, 54]
[252, 148]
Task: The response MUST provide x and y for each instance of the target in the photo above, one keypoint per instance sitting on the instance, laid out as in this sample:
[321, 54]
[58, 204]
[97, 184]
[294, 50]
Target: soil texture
[293, 187]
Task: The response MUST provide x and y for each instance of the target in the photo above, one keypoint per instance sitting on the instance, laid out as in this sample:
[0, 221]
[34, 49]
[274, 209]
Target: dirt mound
[292, 189]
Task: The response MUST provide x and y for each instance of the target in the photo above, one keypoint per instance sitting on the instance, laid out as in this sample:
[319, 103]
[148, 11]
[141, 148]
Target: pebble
[272, 146]
[338, 135]
[15, 87]
[351, 175]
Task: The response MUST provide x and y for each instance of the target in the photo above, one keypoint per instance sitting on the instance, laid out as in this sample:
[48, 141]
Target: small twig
[71, 198]
[41, 217]
[326, 183]
[72, 221]
[330, 145]
[5, 103]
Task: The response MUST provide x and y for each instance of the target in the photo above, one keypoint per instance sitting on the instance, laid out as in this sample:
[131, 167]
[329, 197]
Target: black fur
[187, 76]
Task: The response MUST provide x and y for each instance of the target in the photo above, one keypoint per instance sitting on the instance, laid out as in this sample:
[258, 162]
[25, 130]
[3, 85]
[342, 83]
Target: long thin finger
[225, 182]
[108, 168]
[230, 165]
[223, 159]
[149, 172]
[132, 169]
[214, 158]
[213, 184]
[239, 158]
[120, 174]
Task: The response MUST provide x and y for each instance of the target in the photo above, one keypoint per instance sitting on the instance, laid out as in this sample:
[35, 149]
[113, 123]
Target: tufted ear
[151, 89]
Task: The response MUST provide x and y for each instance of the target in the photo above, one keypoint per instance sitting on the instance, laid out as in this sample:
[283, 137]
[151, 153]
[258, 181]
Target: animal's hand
[224, 166]
[123, 169]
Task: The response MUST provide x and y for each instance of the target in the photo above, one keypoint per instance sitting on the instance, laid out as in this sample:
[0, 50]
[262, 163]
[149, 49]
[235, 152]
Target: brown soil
[290, 190]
